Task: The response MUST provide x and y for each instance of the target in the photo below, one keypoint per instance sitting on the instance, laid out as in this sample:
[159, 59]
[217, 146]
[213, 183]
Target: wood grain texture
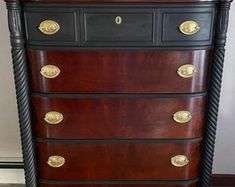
[118, 161]
[118, 71]
[118, 117]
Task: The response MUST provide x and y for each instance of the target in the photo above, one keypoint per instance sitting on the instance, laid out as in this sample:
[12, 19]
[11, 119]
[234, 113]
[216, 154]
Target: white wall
[9, 131]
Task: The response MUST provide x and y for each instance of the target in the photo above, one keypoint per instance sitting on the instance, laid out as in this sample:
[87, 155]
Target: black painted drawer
[65, 19]
[118, 25]
[172, 19]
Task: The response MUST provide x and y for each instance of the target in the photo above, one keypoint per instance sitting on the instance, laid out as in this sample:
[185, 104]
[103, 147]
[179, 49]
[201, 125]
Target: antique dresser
[118, 93]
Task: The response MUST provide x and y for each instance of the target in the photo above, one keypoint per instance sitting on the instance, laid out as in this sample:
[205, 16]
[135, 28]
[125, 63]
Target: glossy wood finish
[118, 71]
[116, 185]
[118, 161]
[118, 117]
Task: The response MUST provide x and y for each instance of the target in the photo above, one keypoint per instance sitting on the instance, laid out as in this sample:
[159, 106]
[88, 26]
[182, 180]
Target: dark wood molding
[222, 180]
[11, 165]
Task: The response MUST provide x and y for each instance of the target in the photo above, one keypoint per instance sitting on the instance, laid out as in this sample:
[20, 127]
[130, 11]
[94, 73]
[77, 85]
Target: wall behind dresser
[9, 132]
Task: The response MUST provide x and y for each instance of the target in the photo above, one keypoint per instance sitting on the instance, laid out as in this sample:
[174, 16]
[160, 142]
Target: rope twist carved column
[22, 90]
[214, 91]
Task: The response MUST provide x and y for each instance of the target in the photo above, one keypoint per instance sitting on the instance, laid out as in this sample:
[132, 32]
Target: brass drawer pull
[182, 116]
[118, 20]
[187, 71]
[179, 161]
[189, 27]
[49, 27]
[53, 117]
[50, 71]
[56, 161]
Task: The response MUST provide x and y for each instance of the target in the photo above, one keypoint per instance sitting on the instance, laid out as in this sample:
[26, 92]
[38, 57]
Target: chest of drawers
[120, 93]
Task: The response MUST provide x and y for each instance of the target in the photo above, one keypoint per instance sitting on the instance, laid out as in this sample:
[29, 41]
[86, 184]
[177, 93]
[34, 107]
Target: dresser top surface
[117, 1]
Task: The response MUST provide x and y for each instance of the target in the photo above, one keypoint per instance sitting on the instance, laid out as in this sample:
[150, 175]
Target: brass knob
[118, 20]
[53, 117]
[187, 71]
[49, 27]
[179, 160]
[182, 116]
[56, 161]
[50, 71]
[189, 27]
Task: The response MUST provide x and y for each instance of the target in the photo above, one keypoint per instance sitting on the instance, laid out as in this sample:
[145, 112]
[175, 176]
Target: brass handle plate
[179, 160]
[182, 116]
[56, 161]
[49, 27]
[50, 71]
[53, 117]
[189, 27]
[187, 71]
[118, 20]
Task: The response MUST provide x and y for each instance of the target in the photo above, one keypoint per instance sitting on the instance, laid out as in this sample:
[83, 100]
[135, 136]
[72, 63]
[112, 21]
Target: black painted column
[22, 89]
[214, 91]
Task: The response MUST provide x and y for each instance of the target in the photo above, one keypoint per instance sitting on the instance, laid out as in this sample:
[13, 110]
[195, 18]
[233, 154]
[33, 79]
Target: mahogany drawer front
[118, 185]
[118, 71]
[119, 25]
[105, 117]
[117, 160]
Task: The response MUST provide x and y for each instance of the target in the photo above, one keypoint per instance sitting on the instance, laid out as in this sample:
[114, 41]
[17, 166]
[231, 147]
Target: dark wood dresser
[118, 93]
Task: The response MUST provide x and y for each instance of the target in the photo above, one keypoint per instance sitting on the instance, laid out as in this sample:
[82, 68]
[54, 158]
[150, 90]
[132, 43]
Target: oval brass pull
[187, 71]
[189, 27]
[53, 117]
[179, 161]
[56, 161]
[182, 116]
[118, 20]
[50, 71]
[49, 27]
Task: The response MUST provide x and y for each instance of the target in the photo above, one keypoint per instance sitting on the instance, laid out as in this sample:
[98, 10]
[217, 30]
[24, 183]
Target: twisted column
[22, 90]
[214, 92]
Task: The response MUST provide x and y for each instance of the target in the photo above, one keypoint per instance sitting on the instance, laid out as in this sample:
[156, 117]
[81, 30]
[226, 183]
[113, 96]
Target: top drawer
[120, 25]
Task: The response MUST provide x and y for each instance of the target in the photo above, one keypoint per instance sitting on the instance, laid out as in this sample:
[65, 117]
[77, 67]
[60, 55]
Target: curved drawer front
[119, 117]
[115, 160]
[118, 71]
[120, 185]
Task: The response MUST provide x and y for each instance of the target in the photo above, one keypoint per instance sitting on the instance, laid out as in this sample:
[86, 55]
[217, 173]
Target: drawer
[51, 26]
[161, 184]
[107, 117]
[118, 71]
[187, 27]
[118, 25]
[128, 160]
